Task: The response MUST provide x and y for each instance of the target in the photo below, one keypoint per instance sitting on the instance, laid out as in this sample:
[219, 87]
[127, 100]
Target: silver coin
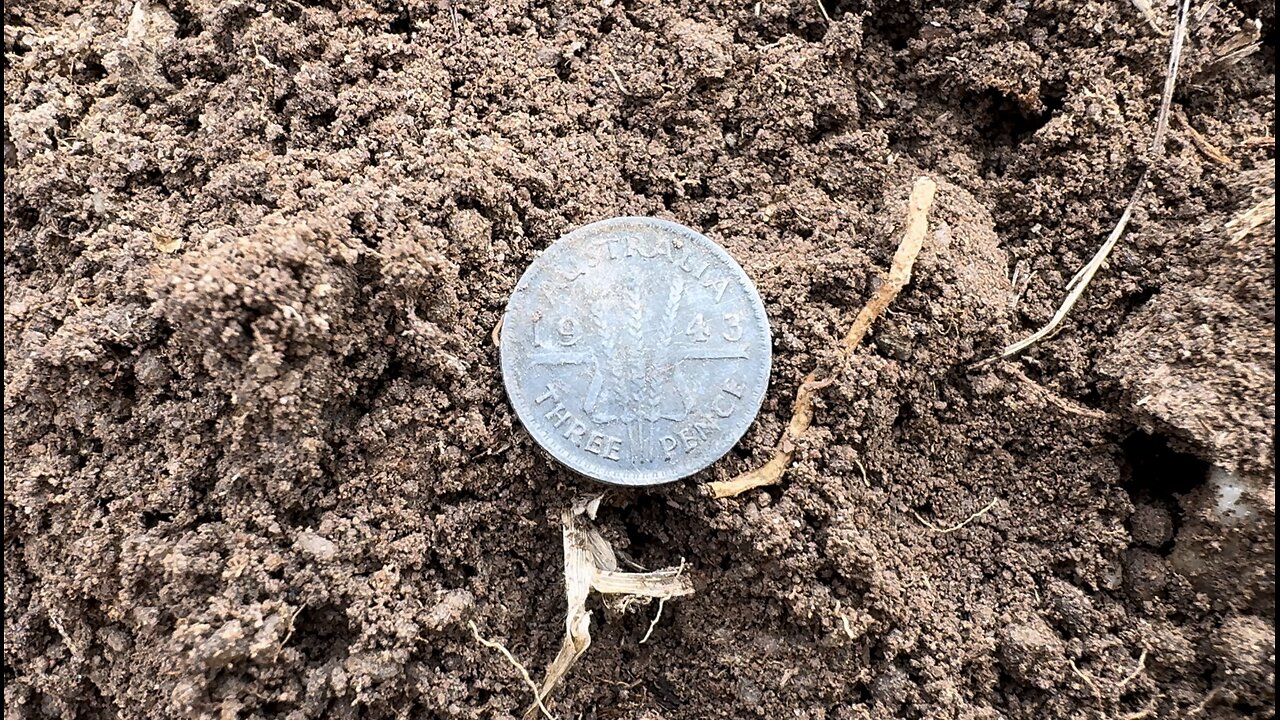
[635, 351]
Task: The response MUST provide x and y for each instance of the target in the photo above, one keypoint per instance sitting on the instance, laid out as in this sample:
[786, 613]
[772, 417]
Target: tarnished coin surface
[635, 351]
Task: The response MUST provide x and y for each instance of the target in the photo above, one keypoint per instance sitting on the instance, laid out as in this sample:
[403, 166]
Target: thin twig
[1082, 279]
[524, 673]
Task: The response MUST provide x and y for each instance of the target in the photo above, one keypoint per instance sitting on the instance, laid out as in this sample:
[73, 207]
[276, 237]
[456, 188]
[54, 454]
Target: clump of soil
[258, 462]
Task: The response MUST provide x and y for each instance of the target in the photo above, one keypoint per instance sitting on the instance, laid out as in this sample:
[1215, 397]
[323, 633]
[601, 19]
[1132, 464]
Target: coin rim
[653, 477]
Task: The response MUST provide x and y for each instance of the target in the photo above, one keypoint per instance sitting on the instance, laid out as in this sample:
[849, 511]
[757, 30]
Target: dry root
[1057, 401]
[802, 413]
[1202, 143]
[1077, 286]
[962, 524]
[519, 666]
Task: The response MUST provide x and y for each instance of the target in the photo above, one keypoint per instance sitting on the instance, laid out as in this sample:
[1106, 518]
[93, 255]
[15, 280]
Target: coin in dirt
[636, 351]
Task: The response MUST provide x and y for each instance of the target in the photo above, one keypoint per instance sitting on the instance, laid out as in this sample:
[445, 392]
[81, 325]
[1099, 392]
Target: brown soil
[258, 462]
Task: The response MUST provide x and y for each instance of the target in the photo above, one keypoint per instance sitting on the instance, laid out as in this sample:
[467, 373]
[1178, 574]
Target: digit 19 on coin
[635, 351]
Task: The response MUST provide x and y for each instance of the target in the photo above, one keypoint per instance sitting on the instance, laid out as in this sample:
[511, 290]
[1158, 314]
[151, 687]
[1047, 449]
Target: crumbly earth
[257, 458]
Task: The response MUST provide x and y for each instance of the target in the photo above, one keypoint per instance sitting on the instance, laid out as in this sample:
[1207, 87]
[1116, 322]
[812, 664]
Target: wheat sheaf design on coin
[635, 351]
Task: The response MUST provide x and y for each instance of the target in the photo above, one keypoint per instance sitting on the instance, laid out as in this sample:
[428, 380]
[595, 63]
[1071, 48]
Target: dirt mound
[258, 460]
